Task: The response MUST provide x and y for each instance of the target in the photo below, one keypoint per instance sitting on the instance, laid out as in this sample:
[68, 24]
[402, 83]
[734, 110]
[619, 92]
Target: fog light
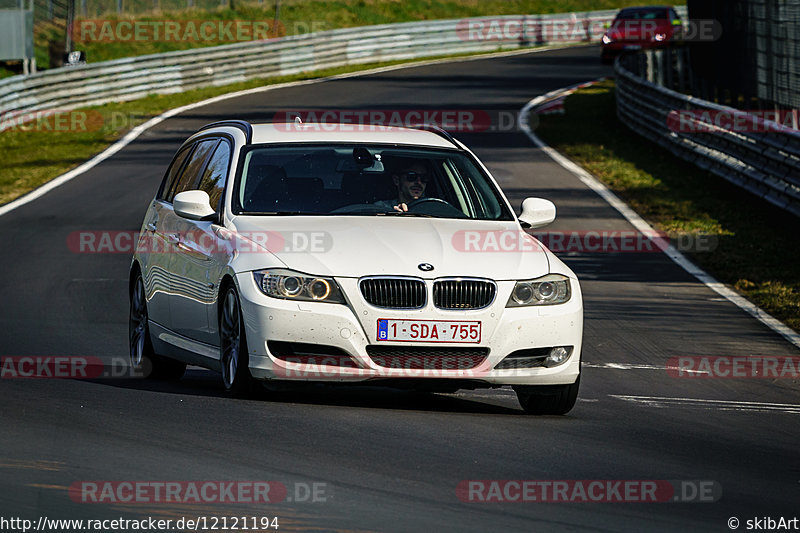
[558, 355]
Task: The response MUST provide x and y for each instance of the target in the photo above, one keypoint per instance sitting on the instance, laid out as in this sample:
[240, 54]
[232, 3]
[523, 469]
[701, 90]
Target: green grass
[302, 16]
[756, 251]
[33, 155]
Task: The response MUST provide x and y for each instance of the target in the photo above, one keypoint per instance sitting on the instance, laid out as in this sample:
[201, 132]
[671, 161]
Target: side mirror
[537, 212]
[194, 205]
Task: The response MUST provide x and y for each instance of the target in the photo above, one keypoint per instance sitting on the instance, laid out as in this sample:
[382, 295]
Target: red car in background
[637, 28]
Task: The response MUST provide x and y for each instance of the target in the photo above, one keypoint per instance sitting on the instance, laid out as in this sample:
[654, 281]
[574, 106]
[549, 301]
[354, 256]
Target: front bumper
[616, 48]
[352, 328]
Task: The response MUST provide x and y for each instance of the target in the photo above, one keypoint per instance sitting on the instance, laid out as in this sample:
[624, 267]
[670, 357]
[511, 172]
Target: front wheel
[234, 359]
[138, 334]
[548, 399]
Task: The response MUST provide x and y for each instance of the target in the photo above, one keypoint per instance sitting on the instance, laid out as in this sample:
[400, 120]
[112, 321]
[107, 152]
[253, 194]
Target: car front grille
[427, 357]
[394, 293]
[454, 294]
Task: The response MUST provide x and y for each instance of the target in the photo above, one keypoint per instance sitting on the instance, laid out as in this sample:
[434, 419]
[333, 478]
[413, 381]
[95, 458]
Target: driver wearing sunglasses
[411, 180]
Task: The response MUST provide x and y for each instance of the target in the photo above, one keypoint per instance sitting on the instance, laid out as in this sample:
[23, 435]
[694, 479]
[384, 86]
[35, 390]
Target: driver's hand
[402, 208]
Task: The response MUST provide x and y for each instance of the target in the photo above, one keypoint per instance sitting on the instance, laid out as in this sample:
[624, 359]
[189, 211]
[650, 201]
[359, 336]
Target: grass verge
[36, 152]
[756, 250]
[296, 17]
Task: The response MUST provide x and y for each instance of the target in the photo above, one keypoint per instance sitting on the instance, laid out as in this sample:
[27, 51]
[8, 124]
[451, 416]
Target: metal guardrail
[136, 77]
[756, 154]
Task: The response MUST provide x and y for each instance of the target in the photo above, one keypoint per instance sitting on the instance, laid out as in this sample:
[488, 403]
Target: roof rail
[438, 131]
[241, 124]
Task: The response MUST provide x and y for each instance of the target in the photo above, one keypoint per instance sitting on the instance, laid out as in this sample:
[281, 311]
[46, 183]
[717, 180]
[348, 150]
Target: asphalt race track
[391, 460]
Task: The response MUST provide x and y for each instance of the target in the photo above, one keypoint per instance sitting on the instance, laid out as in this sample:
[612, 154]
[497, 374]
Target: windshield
[365, 180]
[644, 14]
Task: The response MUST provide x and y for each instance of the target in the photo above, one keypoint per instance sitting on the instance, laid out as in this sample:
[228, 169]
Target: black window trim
[237, 209]
[186, 147]
[195, 142]
[242, 125]
[223, 137]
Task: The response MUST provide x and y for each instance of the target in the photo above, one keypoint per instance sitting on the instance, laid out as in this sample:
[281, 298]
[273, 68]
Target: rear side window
[190, 177]
[215, 175]
[173, 172]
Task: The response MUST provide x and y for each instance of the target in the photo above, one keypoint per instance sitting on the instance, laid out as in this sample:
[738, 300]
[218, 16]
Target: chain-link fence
[756, 62]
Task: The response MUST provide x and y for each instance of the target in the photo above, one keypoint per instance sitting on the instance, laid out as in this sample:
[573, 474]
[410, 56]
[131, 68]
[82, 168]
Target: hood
[349, 246]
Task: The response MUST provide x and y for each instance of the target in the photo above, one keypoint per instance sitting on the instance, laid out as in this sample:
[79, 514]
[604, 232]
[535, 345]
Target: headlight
[549, 290]
[290, 285]
[660, 37]
[607, 39]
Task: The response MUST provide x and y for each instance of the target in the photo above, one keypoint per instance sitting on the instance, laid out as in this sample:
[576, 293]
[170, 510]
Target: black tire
[234, 359]
[549, 399]
[142, 356]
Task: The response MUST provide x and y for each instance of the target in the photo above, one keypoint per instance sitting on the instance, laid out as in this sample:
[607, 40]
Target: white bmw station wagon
[336, 253]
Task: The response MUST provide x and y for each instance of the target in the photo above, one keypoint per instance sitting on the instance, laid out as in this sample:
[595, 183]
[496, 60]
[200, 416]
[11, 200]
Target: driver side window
[190, 176]
[216, 174]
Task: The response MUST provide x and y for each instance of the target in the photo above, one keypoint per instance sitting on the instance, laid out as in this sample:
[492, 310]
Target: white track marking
[138, 130]
[636, 366]
[720, 405]
[639, 223]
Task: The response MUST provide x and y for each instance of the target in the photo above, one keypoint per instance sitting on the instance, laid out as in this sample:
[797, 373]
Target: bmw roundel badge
[425, 267]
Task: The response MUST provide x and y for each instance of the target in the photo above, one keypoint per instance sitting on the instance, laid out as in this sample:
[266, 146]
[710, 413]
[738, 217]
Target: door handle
[151, 226]
[173, 238]
[192, 252]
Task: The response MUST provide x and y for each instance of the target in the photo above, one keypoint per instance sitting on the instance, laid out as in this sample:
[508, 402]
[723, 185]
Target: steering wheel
[421, 201]
[434, 207]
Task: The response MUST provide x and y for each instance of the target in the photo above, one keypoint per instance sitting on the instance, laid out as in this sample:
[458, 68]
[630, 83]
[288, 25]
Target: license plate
[429, 331]
[632, 47]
